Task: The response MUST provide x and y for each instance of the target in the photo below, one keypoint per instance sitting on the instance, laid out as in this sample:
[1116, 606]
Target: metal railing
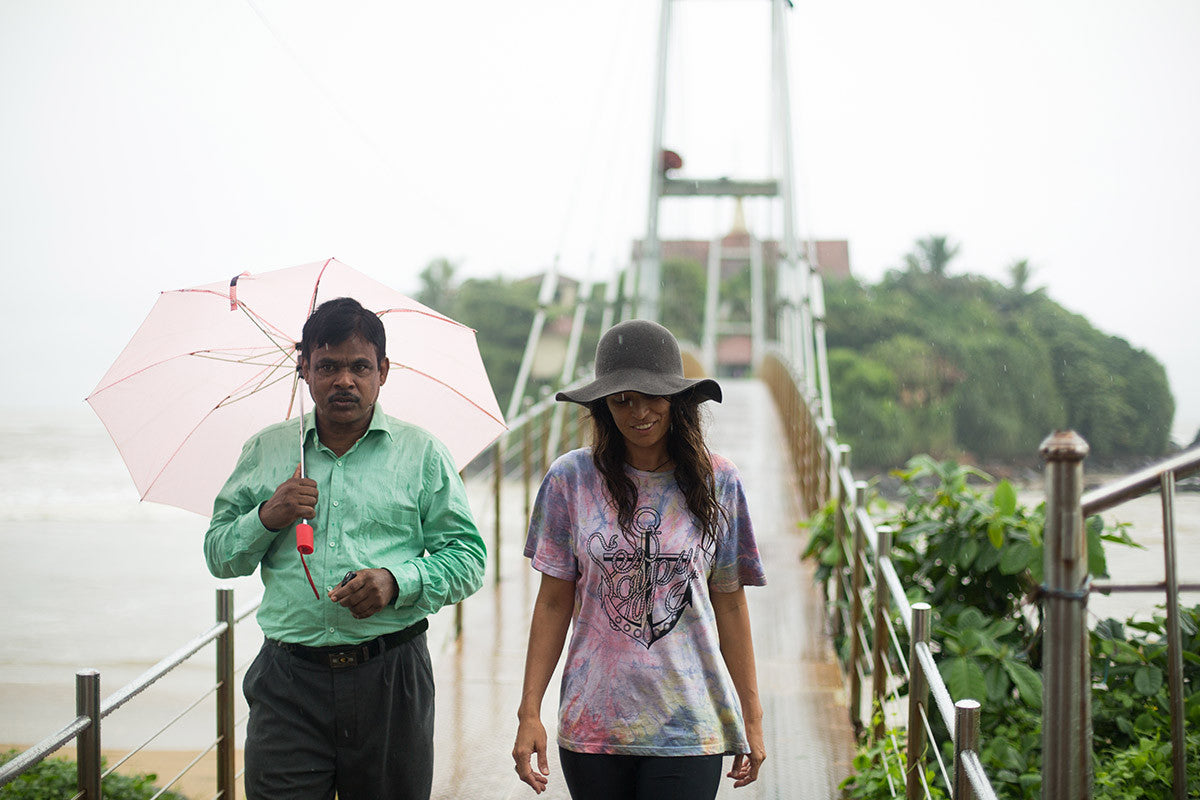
[90, 711]
[865, 580]
[1067, 725]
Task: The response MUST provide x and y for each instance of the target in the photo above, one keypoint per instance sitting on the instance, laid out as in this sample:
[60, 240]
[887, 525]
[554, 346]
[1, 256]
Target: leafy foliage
[55, 778]
[963, 543]
[961, 365]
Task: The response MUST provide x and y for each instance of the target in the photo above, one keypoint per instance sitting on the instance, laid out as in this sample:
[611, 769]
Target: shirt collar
[378, 423]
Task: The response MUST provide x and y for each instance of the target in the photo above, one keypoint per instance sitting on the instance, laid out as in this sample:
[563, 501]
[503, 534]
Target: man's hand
[294, 499]
[531, 740]
[367, 593]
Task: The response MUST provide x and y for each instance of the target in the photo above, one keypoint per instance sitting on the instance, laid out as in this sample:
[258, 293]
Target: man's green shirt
[393, 500]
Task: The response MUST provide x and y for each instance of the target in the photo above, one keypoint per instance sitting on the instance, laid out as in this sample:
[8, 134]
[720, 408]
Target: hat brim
[642, 382]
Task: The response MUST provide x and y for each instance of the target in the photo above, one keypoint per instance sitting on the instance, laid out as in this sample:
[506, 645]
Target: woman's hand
[745, 767]
[531, 739]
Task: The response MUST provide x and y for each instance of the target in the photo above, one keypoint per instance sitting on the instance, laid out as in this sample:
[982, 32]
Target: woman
[647, 534]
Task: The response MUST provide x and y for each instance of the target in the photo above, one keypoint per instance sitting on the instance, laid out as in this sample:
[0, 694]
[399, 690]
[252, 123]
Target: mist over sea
[94, 578]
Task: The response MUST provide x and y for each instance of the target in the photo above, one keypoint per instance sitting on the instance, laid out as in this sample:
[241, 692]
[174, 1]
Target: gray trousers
[364, 732]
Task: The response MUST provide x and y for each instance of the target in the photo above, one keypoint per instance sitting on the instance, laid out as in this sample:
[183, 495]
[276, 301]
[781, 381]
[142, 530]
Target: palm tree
[932, 255]
[1020, 272]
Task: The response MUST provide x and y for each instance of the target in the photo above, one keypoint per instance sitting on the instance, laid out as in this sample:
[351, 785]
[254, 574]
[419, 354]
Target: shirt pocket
[394, 532]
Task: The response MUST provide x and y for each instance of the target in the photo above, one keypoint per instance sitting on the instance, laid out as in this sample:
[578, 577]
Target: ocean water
[94, 578]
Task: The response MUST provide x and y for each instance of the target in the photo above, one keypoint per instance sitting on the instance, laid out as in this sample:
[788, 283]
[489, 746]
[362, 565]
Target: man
[341, 694]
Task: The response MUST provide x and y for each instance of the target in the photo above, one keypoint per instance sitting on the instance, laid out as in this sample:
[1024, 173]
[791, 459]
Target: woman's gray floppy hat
[640, 356]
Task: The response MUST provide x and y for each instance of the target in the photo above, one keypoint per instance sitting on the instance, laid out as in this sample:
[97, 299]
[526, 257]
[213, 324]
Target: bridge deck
[808, 736]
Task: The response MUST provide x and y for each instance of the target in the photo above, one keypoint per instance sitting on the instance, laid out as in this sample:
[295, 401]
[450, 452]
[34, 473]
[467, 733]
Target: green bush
[962, 543]
[55, 778]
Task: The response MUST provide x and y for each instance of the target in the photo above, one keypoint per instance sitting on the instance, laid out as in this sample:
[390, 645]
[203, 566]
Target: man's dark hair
[337, 320]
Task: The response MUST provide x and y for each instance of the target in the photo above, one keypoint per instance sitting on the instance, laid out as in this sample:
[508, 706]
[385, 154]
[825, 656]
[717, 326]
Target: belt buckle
[343, 659]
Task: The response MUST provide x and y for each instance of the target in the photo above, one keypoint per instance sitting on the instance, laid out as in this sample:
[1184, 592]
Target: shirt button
[335, 502]
[331, 630]
[332, 544]
[339, 463]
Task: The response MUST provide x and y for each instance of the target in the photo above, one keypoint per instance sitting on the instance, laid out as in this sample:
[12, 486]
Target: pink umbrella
[212, 365]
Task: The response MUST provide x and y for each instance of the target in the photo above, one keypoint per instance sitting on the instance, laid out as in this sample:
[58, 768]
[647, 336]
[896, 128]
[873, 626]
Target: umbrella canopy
[212, 365]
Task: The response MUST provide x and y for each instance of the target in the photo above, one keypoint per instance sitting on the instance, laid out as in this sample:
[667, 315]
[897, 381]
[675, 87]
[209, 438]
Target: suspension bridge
[778, 426]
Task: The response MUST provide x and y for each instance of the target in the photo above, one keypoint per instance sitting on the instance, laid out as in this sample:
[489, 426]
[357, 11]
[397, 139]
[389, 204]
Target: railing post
[526, 462]
[966, 739]
[856, 611]
[497, 485]
[1066, 666]
[918, 698]
[839, 534]
[544, 454]
[1175, 691]
[87, 744]
[879, 639]
[226, 768]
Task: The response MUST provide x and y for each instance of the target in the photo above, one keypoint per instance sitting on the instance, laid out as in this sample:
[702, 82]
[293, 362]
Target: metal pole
[856, 611]
[545, 453]
[87, 744]
[545, 298]
[712, 299]
[650, 264]
[839, 533]
[526, 462]
[879, 641]
[758, 305]
[226, 767]
[1066, 666]
[497, 480]
[966, 740]
[1174, 639]
[918, 698]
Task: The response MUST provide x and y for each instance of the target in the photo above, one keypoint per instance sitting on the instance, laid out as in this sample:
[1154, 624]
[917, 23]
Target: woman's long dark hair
[685, 446]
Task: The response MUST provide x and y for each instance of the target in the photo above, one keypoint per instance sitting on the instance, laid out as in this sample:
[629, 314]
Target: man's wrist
[262, 521]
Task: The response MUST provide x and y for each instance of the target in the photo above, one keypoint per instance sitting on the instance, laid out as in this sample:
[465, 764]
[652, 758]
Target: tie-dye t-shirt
[644, 672]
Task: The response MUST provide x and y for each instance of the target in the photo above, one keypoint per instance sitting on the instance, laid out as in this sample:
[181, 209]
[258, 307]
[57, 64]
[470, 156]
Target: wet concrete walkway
[808, 736]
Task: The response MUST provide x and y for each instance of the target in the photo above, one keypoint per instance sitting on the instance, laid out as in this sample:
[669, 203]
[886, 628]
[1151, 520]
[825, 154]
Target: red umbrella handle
[304, 538]
[304, 543]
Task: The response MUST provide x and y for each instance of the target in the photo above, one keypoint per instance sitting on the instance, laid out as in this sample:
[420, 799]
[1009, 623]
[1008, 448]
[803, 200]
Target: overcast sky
[159, 144]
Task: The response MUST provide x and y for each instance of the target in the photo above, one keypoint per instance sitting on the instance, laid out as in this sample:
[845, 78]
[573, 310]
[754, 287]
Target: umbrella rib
[242, 305]
[312, 301]
[254, 318]
[212, 356]
[430, 314]
[204, 418]
[451, 388]
[231, 398]
[206, 354]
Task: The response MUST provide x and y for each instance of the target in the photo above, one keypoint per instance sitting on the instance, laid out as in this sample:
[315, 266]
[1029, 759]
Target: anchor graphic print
[643, 590]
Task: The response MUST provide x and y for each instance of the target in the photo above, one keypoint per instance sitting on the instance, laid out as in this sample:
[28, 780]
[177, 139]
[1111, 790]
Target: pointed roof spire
[738, 231]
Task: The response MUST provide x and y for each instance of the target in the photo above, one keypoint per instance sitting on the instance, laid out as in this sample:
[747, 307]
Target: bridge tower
[794, 272]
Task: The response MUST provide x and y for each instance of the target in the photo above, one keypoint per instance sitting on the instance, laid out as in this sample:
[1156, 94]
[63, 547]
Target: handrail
[1182, 465]
[1062, 506]
[823, 469]
[85, 725]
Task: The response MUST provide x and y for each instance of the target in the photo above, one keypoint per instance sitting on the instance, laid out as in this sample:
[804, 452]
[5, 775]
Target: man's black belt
[340, 656]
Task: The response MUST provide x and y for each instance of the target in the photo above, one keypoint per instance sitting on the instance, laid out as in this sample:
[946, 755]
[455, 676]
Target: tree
[437, 286]
[962, 364]
[1020, 272]
[933, 255]
[502, 313]
[683, 298]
